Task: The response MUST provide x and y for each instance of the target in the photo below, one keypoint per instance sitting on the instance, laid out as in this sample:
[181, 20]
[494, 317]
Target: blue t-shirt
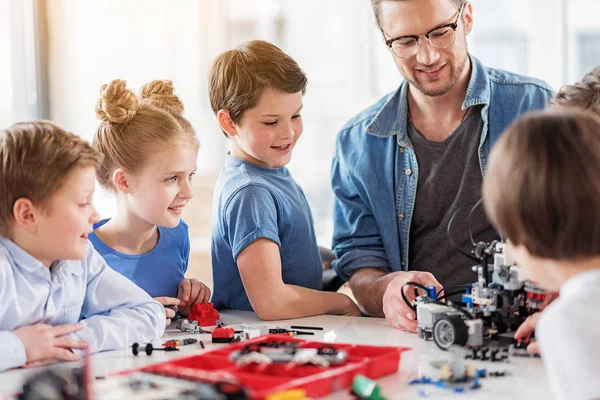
[250, 203]
[158, 271]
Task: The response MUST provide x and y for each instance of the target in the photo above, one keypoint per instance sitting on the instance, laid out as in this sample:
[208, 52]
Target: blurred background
[56, 54]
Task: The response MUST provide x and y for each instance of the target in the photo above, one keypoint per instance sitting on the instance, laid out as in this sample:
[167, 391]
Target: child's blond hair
[35, 159]
[134, 126]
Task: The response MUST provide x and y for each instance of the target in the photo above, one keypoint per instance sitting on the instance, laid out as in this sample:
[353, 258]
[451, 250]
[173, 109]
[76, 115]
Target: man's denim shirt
[375, 171]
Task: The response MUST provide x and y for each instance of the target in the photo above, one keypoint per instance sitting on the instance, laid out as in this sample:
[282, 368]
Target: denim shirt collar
[391, 119]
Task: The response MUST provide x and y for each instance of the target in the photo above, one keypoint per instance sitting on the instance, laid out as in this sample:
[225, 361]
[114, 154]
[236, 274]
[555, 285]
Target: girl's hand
[192, 291]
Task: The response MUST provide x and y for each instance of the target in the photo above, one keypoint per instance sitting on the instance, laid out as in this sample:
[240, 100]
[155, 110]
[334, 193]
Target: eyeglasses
[440, 38]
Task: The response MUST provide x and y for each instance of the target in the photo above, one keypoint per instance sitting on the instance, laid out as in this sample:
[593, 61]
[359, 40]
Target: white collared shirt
[569, 337]
[117, 313]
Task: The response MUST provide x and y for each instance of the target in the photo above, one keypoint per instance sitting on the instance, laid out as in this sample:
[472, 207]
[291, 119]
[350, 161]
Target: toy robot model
[500, 300]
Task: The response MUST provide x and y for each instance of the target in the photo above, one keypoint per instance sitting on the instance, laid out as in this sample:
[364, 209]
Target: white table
[527, 380]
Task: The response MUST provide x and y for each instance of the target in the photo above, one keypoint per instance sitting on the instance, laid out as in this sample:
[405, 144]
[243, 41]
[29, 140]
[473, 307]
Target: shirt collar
[573, 285]
[20, 257]
[29, 263]
[391, 119]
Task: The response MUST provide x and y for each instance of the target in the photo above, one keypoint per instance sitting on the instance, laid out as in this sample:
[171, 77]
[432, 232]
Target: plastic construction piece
[456, 387]
[498, 302]
[192, 327]
[314, 328]
[519, 348]
[135, 349]
[176, 310]
[223, 335]
[294, 394]
[184, 342]
[365, 388]
[289, 354]
[253, 332]
[496, 354]
[262, 380]
[285, 331]
[204, 313]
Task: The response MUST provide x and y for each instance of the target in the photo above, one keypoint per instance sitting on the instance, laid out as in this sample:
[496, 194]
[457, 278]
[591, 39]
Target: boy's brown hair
[35, 159]
[238, 77]
[542, 186]
[135, 126]
[584, 95]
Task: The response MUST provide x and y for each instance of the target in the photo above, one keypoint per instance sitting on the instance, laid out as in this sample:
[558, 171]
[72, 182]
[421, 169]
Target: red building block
[205, 314]
[222, 335]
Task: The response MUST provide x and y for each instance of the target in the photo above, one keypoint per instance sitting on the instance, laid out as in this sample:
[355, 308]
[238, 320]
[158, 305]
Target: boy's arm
[12, 350]
[260, 269]
[250, 228]
[118, 313]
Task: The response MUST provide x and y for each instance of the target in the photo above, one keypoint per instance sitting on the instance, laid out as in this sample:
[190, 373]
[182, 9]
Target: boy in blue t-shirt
[265, 255]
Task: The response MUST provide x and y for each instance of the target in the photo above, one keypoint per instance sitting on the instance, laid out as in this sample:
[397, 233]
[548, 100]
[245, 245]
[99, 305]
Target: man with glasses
[403, 167]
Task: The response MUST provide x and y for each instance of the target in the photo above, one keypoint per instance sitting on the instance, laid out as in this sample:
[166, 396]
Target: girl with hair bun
[150, 153]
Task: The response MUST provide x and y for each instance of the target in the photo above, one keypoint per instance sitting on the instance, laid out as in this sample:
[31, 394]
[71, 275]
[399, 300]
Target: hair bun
[117, 104]
[159, 93]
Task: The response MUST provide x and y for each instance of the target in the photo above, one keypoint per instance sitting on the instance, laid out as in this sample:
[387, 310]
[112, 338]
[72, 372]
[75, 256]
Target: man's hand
[192, 291]
[168, 301]
[47, 342]
[397, 313]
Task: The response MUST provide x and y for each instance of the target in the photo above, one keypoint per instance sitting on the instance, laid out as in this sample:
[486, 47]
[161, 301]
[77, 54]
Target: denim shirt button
[408, 172]
[401, 217]
[401, 149]
[402, 263]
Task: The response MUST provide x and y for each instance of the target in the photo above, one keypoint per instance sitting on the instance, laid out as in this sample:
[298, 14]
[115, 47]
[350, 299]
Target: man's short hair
[542, 186]
[238, 77]
[377, 3]
[584, 94]
[35, 159]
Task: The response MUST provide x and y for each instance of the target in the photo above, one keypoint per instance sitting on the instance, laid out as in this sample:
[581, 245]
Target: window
[18, 69]
[335, 41]
[588, 52]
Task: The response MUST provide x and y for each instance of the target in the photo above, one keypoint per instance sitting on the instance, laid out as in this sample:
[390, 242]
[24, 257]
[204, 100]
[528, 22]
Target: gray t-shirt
[449, 177]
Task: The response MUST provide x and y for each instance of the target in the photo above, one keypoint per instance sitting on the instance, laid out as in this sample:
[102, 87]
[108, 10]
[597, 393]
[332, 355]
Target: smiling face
[267, 133]
[432, 71]
[65, 222]
[158, 193]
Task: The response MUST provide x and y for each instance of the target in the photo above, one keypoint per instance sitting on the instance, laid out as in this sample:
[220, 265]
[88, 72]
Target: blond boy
[50, 275]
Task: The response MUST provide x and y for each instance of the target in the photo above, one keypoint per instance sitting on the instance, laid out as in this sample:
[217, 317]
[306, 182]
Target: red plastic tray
[262, 380]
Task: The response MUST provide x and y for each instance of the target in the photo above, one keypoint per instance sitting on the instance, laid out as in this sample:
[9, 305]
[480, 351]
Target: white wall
[334, 41]
[93, 42]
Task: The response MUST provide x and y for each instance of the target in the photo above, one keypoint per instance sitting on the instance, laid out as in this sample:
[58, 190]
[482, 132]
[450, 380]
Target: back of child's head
[238, 77]
[35, 160]
[584, 95]
[542, 186]
[134, 127]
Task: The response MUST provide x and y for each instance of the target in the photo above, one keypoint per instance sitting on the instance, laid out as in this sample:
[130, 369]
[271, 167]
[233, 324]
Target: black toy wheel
[135, 349]
[149, 349]
[450, 330]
